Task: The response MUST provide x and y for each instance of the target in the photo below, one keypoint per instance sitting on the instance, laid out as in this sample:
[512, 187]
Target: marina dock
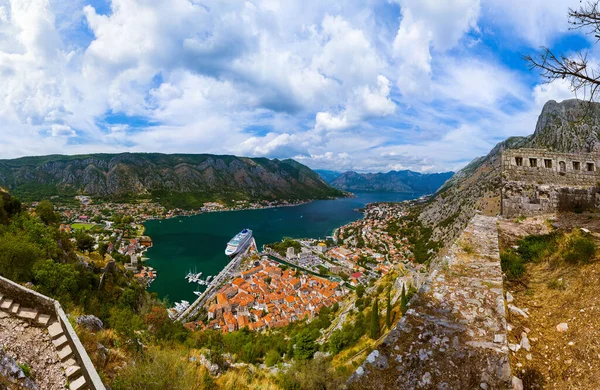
[214, 285]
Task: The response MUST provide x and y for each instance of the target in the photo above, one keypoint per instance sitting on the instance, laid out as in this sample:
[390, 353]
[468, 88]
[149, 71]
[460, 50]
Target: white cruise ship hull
[239, 243]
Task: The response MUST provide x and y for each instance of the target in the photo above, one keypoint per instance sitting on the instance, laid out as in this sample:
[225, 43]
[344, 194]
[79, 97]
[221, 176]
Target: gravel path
[32, 346]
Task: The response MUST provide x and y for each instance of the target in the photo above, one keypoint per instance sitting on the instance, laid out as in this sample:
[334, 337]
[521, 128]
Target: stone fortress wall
[537, 181]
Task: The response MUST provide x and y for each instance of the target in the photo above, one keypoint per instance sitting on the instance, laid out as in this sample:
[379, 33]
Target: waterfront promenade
[212, 287]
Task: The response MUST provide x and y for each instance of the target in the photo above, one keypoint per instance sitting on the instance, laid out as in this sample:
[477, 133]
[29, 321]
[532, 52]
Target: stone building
[537, 181]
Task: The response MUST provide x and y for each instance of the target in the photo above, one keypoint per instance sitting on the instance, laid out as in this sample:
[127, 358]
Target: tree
[388, 312]
[305, 345]
[17, 256]
[57, 280]
[360, 291]
[403, 300]
[572, 67]
[85, 242]
[374, 331]
[45, 210]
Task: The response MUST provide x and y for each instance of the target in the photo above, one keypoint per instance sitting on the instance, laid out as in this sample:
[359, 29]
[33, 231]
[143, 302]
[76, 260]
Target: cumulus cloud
[62, 131]
[428, 25]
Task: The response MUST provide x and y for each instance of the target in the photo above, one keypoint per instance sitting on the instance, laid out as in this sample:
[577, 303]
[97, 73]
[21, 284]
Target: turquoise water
[198, 242]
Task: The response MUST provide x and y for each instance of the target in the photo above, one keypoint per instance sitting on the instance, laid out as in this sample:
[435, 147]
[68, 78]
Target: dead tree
[583, 76]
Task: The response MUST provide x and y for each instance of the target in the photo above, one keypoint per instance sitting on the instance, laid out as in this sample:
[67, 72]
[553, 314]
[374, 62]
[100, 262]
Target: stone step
[55, 330]
[28, 314]
[6, 304]
[72, 371]
[78, 384]
[65, 353]
[15, 308]
[43, 319]
[68, 363]
[59, 342]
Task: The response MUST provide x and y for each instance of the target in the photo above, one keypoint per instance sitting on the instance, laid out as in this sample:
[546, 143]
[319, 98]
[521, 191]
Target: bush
[579, 249]
[536, 247]
[512, 265]
[272, 358]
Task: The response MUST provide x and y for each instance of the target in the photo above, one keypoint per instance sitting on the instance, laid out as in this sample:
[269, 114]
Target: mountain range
[393, 181]
[177, 180]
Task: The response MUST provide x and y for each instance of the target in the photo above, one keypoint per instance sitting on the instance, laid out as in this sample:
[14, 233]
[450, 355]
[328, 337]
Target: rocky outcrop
[90, 322]
[209, 176]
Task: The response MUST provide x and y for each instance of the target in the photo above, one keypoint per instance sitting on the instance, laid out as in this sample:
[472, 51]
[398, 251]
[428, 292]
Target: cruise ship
[239, 242]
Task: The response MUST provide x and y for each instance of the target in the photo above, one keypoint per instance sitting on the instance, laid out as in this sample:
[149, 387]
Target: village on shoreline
[286, 282]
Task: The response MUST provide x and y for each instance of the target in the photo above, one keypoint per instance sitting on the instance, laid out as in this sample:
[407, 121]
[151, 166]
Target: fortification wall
[453, 335]
[537, 181]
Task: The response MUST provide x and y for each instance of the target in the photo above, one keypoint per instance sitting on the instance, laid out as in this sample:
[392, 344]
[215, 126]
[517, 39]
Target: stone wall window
[576, 165]
[547, 163]
[590, 167]
[562, 166]
[519, 161]
[533, 162]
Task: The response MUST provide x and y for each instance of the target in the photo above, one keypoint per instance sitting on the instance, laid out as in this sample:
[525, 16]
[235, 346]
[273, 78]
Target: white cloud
[62, 131]
[558, 90]
[427, 25]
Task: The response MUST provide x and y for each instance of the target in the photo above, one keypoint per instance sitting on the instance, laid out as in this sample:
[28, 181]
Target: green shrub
[537, 247]
[580, 249]
[272, 358]
[512, 265]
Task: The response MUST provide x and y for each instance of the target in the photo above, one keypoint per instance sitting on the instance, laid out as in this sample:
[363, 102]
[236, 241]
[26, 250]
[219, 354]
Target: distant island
[174, 180]
[394, 181]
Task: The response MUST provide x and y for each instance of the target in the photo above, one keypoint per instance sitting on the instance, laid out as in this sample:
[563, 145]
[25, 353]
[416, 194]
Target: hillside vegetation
[176, 180]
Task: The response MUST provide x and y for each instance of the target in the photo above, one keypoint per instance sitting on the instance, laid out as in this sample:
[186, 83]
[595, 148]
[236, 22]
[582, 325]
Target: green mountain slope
[182, 180]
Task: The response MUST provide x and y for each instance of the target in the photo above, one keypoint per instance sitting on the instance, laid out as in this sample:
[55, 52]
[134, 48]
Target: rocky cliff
[393, 181]
[187, 178]
[572, 126]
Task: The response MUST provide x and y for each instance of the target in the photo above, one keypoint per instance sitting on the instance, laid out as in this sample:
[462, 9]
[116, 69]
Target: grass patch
[579, 248]
[26, 369]
[512, 264]
[82, 226]
[467, 247]
[556, 284]
[556, 248]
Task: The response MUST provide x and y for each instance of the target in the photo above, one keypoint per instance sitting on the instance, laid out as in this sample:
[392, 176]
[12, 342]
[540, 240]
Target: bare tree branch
[582, 77]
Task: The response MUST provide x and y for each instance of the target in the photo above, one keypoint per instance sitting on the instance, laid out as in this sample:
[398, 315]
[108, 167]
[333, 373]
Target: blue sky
[367, 85]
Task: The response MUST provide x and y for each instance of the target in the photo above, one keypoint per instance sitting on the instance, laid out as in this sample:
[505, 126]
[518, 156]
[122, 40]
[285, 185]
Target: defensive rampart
[453, 335]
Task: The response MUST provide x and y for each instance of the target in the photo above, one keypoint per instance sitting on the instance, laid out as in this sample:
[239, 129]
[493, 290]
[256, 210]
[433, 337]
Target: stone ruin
[537, 181]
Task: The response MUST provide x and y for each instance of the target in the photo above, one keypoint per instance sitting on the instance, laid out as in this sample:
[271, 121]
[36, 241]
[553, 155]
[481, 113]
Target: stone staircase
[73, 372]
